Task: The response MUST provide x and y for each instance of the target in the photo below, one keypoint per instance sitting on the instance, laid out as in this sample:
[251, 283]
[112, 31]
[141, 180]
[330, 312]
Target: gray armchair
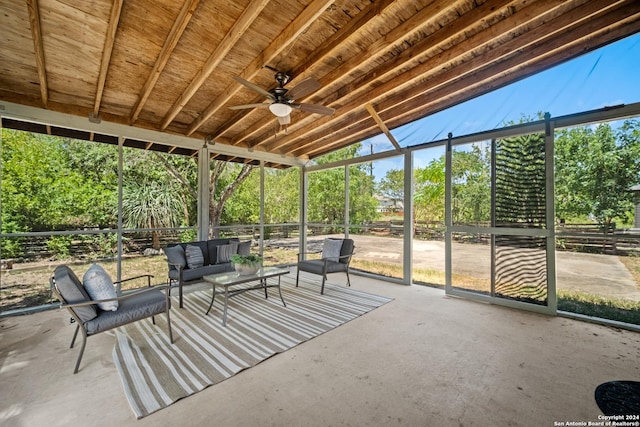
[335, 262]
[91, 320]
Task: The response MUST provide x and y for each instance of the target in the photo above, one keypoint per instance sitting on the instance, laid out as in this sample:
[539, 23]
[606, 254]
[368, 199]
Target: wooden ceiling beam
[490, 77]
[38, 47]
[114, 19]
[383, 127]
[304, 70]
[421, 79]
[446, 33]
[178, 28]
[235, 33]
[287, 37]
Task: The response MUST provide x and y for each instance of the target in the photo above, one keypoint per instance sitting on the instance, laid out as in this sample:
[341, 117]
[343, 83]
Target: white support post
[346, 201]
[261, 226]
[121, 140]
[203, 193]
[549, 148]
[407, 275]
[448, 220]
[302, 244]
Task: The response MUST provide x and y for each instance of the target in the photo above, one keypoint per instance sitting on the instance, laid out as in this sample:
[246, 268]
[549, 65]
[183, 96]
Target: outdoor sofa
[189, 262]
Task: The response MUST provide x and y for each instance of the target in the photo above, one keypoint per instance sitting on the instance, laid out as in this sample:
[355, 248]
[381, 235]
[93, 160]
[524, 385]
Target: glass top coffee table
[232, 278]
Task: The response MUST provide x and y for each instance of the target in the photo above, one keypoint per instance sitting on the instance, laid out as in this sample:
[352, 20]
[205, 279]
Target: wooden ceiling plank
[396, 36]
[235, 33]
[288, 36]
[382, 126]
[534, 12]
[363, 18]
[178, 28]
[114, 20]
[36, 34]
[491, 78]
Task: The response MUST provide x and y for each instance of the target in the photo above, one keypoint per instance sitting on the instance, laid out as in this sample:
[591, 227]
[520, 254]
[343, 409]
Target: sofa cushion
[197, 273]
[194, 255]
[213, 244]
[99, 286]
[175, 255]
[131, 309]
[73, 292]
[224, 252]
[244, 248]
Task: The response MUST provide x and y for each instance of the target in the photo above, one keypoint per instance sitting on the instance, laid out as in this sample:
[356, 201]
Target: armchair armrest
[120, 298]
[148, 276]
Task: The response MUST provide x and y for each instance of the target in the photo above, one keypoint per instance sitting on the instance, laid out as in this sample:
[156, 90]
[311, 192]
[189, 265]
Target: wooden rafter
[382, 126]
[279, 44]
[239, 27]
[178, 28]
[38, 47]
[109, 40]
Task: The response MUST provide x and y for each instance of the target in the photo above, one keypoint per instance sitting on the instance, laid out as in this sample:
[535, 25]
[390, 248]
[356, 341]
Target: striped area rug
[156, 374]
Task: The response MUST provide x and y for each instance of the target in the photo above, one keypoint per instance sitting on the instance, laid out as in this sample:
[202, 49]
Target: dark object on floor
[619, 397]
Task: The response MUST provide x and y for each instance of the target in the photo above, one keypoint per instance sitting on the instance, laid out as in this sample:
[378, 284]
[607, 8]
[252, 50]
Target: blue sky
[605, 77]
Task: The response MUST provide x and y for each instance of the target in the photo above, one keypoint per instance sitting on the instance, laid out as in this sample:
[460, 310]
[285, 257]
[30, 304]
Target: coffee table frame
[232, 278]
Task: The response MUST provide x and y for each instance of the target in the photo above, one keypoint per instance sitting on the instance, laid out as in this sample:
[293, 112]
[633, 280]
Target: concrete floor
[422, 360]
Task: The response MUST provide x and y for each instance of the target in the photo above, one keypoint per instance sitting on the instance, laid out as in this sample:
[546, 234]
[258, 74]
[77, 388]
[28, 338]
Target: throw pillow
[99, 285]
[244, 248]
[225, 252]
[194, 256]
[175, 255]
[331, 249]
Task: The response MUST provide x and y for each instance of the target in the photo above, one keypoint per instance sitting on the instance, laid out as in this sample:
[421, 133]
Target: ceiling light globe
[279, 109]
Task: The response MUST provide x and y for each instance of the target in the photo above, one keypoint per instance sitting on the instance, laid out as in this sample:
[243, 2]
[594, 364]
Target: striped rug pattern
[156, 374]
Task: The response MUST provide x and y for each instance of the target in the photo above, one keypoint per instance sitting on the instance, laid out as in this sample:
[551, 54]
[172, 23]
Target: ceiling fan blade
[318, 109]
[242, 107]
[303, 89]
[255, 88]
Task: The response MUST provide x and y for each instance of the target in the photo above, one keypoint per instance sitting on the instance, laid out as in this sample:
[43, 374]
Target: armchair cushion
[194, 255]
[133, 308]
[316, 266]
[99, 286]
[348, 246]
[331, 249]
[175, 255]
[73, 292]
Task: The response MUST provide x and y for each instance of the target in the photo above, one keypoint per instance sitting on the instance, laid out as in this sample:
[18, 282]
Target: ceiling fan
[281, 100]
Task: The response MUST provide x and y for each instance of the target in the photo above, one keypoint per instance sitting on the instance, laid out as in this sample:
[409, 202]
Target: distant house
[387, 205]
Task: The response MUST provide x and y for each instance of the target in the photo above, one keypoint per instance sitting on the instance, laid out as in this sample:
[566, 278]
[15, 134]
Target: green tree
[471, 184]
[326, 191]
[392, 186]
[595, 169]
[429, 191]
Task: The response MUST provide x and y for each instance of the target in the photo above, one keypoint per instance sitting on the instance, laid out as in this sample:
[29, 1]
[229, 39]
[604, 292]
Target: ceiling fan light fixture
[279, 109]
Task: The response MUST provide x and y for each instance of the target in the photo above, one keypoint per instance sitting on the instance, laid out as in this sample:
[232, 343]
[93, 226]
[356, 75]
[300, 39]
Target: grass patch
[596, 306]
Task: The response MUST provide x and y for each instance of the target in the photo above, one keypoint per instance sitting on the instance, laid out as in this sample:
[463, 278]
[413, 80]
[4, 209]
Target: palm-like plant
[150, 205]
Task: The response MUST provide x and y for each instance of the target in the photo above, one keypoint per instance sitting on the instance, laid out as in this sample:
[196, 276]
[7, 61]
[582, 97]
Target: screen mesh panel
[520, 268]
